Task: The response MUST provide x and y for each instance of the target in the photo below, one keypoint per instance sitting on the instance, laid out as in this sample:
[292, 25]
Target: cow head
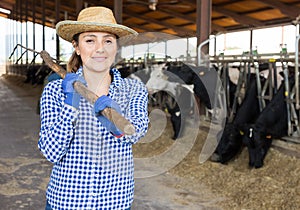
[158, 81]
[258, 143]
[230, 144]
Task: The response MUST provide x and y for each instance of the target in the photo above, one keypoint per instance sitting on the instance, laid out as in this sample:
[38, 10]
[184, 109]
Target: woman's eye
[89, 40]
[108, 41]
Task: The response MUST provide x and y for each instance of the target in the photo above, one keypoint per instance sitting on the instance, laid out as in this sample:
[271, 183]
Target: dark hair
[75, 60]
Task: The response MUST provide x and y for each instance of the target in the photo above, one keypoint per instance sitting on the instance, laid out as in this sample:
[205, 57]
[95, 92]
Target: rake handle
[123, 124]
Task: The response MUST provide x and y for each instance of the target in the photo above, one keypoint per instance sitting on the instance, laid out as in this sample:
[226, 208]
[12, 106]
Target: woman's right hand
[72, 96]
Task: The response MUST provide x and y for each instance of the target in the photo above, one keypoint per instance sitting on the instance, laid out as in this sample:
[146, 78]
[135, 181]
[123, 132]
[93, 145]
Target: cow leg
[176, 124]
[200, 107]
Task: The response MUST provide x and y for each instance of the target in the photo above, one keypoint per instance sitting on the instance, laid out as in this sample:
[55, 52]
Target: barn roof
[176, 17]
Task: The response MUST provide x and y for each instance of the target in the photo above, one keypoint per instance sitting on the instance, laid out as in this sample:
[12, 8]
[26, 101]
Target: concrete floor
[24, 172]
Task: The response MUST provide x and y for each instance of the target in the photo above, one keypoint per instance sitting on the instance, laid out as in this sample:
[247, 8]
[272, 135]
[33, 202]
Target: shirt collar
[79, 71]
[116, 77]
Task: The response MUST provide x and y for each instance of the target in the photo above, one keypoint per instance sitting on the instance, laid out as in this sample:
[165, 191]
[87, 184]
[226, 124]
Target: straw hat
[92, 19]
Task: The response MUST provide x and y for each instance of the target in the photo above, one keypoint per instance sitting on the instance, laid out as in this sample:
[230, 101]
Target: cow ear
[268, 137]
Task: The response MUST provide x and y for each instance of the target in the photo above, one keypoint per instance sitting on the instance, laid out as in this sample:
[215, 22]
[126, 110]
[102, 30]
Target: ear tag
[241, 132]
[251, 133]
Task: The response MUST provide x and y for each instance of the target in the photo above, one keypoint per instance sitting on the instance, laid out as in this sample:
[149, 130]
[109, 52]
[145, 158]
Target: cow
[231, 143]
[181, 110]
[193, 82]
[271, 123]
[36, 75]
[182, 95]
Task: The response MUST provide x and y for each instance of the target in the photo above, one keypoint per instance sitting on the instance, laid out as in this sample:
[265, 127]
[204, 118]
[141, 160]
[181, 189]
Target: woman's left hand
[101, 103]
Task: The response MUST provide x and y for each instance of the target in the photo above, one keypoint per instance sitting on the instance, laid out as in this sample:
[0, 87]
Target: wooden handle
[123, 124]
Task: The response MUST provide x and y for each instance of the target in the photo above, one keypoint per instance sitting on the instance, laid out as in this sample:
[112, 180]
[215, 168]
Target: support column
[57, 11]
[33, 27]
[43, 22]
[21, 30]
[203, 22]
[118, 11]
[79, 6]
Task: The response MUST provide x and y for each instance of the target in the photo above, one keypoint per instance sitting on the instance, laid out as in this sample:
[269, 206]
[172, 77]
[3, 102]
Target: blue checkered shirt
[92, 168]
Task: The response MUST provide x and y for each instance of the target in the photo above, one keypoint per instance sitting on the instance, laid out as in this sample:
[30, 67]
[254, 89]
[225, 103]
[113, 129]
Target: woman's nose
[99, 48]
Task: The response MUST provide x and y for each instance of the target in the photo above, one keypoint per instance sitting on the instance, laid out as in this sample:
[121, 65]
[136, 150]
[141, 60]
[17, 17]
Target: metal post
[15, 31]
[199, 61]
[17, 28]
[287, 95]
[21, 27]
[258, 85]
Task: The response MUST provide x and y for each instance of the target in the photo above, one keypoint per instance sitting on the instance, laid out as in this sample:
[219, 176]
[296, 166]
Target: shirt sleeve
[57, 123]
[137, 112]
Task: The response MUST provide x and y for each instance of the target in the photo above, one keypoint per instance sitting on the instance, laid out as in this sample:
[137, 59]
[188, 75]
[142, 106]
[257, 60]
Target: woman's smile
[99, 58]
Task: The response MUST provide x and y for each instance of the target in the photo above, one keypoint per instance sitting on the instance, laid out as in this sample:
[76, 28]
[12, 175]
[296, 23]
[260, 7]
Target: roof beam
[6, 5]
[242, 19]
[214, 27]
[180, 30]
[285, 9]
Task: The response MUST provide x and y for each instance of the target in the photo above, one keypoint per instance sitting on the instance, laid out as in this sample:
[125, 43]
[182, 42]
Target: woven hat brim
[67, 29]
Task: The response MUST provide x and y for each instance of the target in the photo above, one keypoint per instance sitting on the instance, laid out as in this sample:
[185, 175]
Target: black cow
[36, 75]
[271, 123]
[231, 141]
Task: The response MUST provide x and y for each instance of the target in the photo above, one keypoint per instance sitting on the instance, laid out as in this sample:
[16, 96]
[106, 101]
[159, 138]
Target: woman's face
[97, 50]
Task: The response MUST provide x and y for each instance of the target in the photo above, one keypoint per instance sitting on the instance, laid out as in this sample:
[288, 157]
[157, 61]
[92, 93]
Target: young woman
[93, 162]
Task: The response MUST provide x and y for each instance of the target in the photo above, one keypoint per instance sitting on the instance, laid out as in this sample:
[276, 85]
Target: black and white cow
[271, 123]
[189, 81]
[181, 110]
[181, 94]
[202, 78]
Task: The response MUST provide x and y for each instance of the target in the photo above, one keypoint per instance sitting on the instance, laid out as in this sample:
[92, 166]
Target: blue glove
[53, 76]
[100, 104]
[72, 97]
